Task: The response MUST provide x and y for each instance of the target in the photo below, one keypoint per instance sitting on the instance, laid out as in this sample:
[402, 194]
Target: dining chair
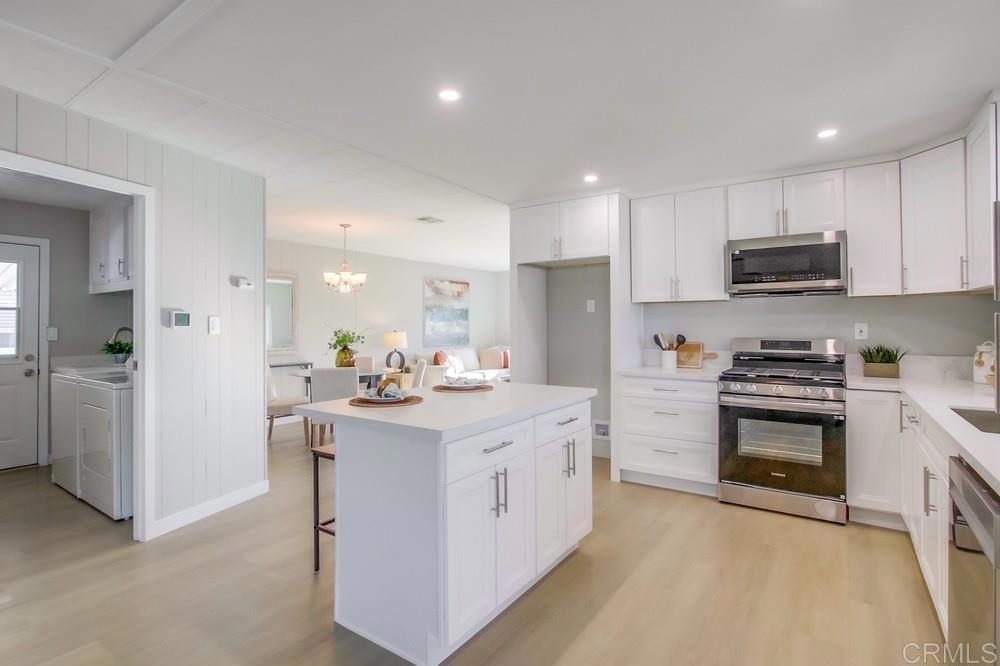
[331, 384]
[418, 373]
[278, 407]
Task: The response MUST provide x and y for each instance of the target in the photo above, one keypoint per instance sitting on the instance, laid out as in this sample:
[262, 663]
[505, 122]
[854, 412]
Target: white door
[533, 233]
[653, 258]
[551, 469]
[981, 175]
[19, 285]
[583, 228]
[874, 231]
[873, 451]
[701, 245]
[96, 456]
[579, 502]
[932, 186]
[755, 209]
[516, 526]
[472, 557]
[814, 202]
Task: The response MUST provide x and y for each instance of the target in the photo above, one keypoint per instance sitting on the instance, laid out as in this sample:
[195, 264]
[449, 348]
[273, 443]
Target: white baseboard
[891, 521]
[206, 509]
[683, 485]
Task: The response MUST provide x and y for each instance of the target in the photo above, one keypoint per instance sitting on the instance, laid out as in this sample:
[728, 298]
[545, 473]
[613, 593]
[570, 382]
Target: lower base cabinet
[565, 511]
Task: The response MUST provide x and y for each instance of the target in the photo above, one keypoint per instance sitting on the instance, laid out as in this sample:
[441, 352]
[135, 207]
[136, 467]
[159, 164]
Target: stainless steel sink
[983, 420]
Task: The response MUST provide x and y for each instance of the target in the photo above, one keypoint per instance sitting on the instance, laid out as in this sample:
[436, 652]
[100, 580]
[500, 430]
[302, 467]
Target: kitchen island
[449, 510]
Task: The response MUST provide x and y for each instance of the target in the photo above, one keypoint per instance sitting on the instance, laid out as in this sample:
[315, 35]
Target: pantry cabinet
[981, 196]
[932, 187]
[874, 231]
[678, 247]
[111, 250]
[574, 229]
[873, 446]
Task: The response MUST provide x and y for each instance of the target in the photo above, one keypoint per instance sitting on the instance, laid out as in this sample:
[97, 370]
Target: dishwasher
[973, 630]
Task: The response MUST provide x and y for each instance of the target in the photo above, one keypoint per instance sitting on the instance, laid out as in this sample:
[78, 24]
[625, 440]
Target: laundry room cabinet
[111, 240]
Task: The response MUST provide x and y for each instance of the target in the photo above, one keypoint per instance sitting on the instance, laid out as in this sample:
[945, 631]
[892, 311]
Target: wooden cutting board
[692, 355]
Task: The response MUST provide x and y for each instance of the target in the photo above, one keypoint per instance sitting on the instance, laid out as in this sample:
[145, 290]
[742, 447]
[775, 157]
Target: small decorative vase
[119, 359]
[345, 357]
[883, 370]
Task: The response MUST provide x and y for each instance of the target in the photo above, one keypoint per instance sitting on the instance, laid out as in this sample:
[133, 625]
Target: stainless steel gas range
[783, 427]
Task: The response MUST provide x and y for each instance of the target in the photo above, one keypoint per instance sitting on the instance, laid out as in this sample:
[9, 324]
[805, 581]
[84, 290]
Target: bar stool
[327, 452]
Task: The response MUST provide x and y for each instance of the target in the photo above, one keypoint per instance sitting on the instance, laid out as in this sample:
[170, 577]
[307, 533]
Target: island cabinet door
[551, 469]
[579, 503]
[516, 525]
[472, 555]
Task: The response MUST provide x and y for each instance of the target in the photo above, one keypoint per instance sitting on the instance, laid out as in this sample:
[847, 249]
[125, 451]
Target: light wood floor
[665, 578]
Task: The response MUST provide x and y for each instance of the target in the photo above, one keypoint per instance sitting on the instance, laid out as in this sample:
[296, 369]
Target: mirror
[280, 305]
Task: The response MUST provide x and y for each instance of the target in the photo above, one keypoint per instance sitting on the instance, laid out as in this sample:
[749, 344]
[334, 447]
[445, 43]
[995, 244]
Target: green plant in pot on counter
[120, 349]
[342, 340]
[881, 360]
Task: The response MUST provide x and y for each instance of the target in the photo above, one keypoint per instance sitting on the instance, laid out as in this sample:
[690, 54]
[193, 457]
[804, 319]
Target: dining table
[370, 377]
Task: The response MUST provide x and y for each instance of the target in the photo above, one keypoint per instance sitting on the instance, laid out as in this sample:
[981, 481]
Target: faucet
[114, 338]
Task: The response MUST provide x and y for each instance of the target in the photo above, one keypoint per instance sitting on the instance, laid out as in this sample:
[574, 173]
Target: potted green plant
[342, 340]
[120, 350]
[881, 360]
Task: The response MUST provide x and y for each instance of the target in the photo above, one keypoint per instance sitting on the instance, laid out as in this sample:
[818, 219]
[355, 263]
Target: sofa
[466, 362]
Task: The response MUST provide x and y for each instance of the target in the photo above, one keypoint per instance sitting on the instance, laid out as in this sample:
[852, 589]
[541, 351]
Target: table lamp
[396, 340]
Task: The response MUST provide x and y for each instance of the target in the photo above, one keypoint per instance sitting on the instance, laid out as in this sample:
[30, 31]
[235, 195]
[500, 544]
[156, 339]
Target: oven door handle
[785, 405]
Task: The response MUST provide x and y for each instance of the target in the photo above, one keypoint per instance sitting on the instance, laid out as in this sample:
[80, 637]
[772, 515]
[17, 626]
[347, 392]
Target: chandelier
[345, 281]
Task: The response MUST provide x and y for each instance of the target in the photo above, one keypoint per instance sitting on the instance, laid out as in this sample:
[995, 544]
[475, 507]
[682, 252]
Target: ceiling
[335, 102]
[30, 188]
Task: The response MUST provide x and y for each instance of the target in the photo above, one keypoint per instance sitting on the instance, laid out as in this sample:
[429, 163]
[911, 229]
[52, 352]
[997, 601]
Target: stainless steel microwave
[787, 265]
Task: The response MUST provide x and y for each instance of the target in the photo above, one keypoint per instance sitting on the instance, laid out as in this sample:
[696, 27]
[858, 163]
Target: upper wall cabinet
[110, 250]
[795, 205]
[678, 247]
[933, 212]
[575, 229]
[981, 192]
[874, 235]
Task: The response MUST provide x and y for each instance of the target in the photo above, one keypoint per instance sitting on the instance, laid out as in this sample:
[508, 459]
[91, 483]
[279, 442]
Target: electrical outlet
[860, 331]
[591, 305]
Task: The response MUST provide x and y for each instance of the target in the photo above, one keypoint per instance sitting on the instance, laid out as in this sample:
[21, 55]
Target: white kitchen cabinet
[700, 245]
[653, 265]
[110, 249]
[981, 193]
[64, 453]
[564, 507]
[583, 228]
[516, 565]
[873, 445]
[907, 457]
[533, 232]
[814, 202]
[678, 247]
[932, 187]
[874, 230]
[755, 209]
[932, 553]
[472, 551]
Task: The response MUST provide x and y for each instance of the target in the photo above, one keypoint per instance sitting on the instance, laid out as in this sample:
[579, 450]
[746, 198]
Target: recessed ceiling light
[827, 133]
[449, 95]
[590, 178]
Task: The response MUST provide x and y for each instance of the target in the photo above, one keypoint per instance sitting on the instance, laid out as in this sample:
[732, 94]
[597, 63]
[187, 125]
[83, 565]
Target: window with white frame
[9, 308]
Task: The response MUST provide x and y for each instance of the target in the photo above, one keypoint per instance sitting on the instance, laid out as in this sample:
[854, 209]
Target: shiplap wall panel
[41, 129]
[77, 140]
[8, 120]
[210, 408]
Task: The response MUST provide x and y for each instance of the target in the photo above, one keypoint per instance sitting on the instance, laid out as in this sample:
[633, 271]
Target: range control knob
[751, 388]
[734, 387]
[778, 390]
[805, 391]
[824, 393]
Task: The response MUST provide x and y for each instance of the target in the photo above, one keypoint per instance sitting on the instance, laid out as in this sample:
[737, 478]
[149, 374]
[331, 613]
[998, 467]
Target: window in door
[9, 312]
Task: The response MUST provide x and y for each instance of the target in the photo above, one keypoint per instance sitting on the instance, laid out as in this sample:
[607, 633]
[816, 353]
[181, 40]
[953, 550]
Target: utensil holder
[668, 361]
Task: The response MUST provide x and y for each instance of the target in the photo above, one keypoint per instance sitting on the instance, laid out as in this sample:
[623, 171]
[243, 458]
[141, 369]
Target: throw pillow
[491, 358]
[456, 364]
[506, 359]
[440, 358]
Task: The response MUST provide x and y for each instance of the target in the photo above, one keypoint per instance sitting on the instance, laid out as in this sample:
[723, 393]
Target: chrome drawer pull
[499, 446]
[568, 421]
[669, 453]
[666, 390]
[667, 413]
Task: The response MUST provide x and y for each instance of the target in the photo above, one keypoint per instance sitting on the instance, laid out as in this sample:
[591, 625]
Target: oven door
[783, 444]
[800, 263]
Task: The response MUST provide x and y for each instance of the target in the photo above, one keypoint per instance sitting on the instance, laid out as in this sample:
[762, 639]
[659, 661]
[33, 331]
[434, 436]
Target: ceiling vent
[429, 220]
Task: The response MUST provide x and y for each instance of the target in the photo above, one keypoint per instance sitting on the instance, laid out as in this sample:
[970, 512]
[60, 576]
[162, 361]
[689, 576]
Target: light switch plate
[214, 325]
[591, 305]
[860, 331]
[52, 334]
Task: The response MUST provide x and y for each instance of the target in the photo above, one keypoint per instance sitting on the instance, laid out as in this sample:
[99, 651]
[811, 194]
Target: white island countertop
[454, 415]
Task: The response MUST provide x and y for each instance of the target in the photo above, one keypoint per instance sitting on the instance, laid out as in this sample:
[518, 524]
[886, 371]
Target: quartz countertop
[709, 373]
[453, 416]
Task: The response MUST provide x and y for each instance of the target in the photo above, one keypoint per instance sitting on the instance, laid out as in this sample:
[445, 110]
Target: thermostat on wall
[178, 319]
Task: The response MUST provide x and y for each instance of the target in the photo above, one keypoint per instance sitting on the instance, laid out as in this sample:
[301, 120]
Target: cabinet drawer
[470, 455]
[561, 422]
[695, 421]
[675, 458]
[675, 389]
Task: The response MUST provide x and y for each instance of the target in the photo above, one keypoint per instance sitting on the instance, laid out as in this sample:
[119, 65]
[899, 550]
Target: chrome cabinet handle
[777, 218]
[572, 443]
[568, 467]
[786, 221]
[496, 493]
[506, 492]
[666, 390]
[499, 446]
[905, 275]
[102, 269]
[666, 413]
[121, 267]
[901, 406]
[568, 421]
[669, 453]
[678, 297]
[927, 491]
[963, 272]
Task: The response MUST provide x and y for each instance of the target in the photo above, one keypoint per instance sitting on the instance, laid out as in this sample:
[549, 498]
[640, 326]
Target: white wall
[84, 320]
[211, 449]
[391, 299]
